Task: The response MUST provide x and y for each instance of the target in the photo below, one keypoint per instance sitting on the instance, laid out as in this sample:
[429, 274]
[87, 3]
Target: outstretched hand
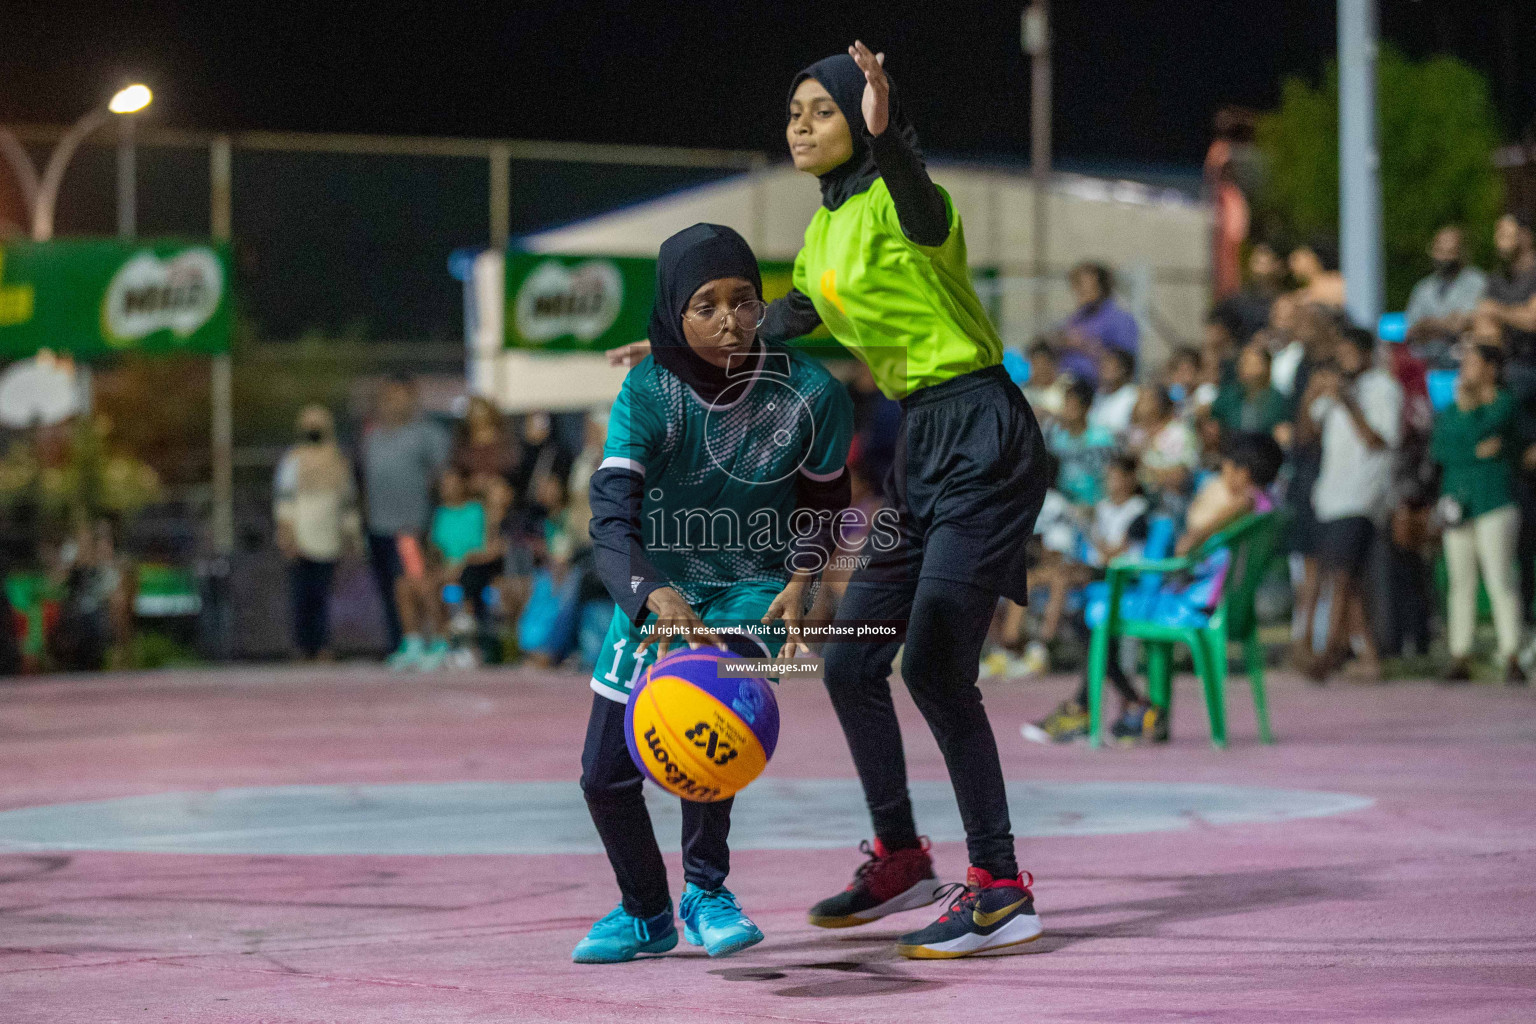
[877, 88]
[628, 355]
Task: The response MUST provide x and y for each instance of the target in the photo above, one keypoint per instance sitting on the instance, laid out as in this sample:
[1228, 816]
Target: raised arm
[920, 207]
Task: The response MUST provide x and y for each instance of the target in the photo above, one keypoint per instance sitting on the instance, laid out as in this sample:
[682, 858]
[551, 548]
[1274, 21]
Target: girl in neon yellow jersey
[884, 267]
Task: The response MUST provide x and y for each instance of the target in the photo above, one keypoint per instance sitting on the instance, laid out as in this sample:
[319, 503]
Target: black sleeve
[1137, 531]
[618, 548]
[826, 498]
[793, 316]
[919, 206]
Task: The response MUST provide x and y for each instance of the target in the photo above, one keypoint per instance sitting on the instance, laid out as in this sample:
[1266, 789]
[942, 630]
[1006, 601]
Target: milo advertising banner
[99, 296]
[590, 303]
[561, 303]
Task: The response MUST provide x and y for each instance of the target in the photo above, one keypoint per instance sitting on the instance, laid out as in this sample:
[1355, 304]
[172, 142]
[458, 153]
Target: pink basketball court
[344, 846]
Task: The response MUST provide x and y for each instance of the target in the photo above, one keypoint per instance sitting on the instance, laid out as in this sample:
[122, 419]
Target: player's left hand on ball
[674, 618]
[789, 607]
[877, 88]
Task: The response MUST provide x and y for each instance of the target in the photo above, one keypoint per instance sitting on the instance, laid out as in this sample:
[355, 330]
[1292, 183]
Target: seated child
[1047, 384]
[1070, 555]
[1249, 465]
[1167, 449]
[547, 626]
[1080, 447]
[459, 554]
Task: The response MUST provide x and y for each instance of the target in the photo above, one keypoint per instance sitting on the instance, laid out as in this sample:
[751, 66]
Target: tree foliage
[1437, 133]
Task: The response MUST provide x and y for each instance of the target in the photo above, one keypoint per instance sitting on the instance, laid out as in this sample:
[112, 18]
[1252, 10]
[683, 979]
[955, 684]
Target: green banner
[100, 296]
[591, 303]
[594, 303]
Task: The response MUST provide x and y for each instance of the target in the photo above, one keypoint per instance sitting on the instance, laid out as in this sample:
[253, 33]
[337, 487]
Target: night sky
[349, 244]
[1135, 81]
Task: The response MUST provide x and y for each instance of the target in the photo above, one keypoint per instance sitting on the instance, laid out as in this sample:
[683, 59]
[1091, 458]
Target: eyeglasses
[712, 319]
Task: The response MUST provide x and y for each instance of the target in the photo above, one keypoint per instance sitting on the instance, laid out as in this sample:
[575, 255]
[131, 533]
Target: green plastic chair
[1253, 541]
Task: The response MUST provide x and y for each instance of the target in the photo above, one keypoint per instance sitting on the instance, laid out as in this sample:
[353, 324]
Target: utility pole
[1359, 163]
[1035, 37]
[222, 419]
[127, 181]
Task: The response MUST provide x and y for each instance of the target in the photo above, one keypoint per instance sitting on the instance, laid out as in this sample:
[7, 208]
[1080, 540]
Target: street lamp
[41, 194]
[130, 100]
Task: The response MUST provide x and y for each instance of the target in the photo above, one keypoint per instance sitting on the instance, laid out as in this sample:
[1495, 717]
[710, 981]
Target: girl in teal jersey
[724, 454]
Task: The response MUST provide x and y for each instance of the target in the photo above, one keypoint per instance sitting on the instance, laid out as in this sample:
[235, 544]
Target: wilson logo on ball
[676, 779]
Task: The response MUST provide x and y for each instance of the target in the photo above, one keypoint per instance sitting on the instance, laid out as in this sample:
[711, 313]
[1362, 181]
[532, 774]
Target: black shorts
[1344, 543]
[967, 484]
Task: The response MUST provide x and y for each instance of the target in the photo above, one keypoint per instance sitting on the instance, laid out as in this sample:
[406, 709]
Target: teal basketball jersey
[719, 506]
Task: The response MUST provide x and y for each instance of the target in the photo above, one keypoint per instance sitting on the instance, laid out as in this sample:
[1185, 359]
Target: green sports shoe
[619, 936]
[433, 657]
[407, 656]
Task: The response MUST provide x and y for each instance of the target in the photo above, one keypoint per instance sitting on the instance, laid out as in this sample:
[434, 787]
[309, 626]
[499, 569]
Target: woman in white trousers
[1474, 442]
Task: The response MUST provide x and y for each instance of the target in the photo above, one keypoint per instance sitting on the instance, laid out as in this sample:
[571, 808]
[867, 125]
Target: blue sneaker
[713, 919]
[619, 937]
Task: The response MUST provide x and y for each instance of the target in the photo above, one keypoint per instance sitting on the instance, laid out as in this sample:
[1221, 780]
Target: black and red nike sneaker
[888, 883]
[989, 916]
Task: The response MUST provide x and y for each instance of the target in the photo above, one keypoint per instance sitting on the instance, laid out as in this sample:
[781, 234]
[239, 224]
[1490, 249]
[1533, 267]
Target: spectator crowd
[476, 535]
[1380, 453]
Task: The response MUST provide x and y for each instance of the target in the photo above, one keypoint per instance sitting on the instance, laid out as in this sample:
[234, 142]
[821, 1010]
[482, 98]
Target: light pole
[41, 194]
[1359, 163]
[1035, 35]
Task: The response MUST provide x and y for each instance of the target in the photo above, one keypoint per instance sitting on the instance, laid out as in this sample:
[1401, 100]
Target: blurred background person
[1168, 451]
[1047, 384]
[315, 508]
[402, 454]
[1315, 269]
[482, 447]
[1475, 442]
[1097, 324]
[1117, 394]
[1181, 378]
[95, 625]
[1358, 409]
[1441, 305]
[455, 548]
[1082, 448]
[1248, 310]
[1250, 404]
[1508, 305]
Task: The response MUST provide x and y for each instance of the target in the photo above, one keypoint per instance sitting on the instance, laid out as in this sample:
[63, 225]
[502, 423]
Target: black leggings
[612, 786]
[947, 625]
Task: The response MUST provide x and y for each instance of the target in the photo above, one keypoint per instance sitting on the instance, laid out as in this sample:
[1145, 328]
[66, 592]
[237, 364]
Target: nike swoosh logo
[988, 920]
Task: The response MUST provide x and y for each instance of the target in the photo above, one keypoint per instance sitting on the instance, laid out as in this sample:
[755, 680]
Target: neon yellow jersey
[907, 310]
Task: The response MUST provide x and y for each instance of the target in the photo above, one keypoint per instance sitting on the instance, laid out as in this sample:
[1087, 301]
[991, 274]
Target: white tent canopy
[1157, 241]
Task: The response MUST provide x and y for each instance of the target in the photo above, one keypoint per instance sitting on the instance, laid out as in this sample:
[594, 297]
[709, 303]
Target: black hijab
[689, 259]
[840, 75]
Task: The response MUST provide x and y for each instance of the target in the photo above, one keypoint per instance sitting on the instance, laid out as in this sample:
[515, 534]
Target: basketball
[696, 735]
